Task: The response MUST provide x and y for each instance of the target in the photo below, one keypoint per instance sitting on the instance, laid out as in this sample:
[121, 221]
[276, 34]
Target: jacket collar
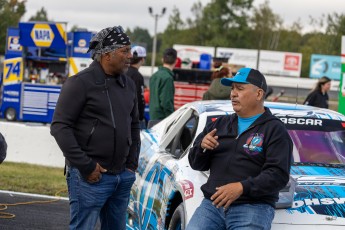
[100, 75]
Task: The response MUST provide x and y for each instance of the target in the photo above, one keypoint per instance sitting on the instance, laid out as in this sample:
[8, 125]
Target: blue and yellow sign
[13, 70]
[80, 44]
[49, 35]
[42, 35]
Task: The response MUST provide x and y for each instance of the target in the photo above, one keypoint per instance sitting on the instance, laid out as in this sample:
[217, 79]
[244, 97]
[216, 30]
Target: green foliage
[41, 16]
[11, 12]
[221, 23]
[140, 37]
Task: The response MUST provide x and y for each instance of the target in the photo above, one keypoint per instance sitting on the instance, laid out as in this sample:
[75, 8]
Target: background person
[162, 87]
[3, 148]
[248, 154]
[318, 96]
[218, 91]
[137, 60]
[96, 126]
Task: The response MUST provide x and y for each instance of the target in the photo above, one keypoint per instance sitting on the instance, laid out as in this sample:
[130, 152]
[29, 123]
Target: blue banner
[325, 65]
[13, 47]
[48, 35]
[80, 44]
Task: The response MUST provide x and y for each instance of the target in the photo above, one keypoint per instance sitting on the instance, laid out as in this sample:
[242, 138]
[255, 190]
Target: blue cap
[247, 76]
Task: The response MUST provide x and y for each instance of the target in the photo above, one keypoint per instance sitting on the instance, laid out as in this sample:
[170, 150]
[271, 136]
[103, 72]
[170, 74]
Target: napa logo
[82, 42]
[42, 35]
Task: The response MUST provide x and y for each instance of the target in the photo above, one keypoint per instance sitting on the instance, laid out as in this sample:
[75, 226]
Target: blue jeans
[236, 217]
[106, 199]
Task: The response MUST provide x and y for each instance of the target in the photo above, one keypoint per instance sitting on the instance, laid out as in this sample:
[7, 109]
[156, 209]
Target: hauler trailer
[39, 56]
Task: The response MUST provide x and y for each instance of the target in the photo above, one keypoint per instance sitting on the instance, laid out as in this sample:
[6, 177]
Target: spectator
[96, 126]
[318, 96]
[138, 59]
[162, 88]
[218, 91]
[248, 155]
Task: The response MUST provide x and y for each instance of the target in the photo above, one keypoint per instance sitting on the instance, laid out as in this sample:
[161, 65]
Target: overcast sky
[96, 15]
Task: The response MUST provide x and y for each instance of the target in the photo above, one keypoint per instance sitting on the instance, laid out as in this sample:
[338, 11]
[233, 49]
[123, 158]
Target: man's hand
[96, 175]
[210, 141]
[227, 194]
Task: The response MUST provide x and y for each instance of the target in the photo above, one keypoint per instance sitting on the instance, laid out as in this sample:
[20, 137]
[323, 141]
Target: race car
[167, 190]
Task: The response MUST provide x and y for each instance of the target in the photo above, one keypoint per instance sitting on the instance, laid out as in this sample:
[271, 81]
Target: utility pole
[154, 46]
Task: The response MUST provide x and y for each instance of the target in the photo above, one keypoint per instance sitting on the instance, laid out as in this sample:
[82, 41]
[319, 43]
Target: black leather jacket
[96, 121]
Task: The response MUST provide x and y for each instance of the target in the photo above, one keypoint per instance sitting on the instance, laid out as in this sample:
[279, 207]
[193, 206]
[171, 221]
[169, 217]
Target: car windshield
[318, 146]
[317, 140]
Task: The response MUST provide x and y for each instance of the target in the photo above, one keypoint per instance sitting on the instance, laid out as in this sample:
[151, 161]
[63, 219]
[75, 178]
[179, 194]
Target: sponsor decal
[6, 99]
[253, 145]
[81, 47]
[188, 189]
[291, 62]
[317, 201]
[301, 121]
[13, 43]
[42, 35]
[11, 93]
[13, 70]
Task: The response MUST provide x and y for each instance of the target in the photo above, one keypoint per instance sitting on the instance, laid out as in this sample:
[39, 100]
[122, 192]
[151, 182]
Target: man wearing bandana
[96, 126]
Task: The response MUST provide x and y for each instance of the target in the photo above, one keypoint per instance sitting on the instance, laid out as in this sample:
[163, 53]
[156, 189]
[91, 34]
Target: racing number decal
[13, 70]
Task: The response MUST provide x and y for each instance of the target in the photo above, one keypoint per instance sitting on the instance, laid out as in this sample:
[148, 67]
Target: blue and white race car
[167, 191]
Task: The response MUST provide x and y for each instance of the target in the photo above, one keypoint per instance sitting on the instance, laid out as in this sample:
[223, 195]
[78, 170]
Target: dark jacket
[96, 121]
[317, 98]
[217, 91]
[138, 79]
[259, 158]
[162, 92]
[3, 148]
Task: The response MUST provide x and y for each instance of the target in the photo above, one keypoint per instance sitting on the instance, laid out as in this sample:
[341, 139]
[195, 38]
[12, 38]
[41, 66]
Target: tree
[335, 30]
[174, 33]
[141, 37]
[41, 15]
[225, 22]
[266, 26]
[11, 12]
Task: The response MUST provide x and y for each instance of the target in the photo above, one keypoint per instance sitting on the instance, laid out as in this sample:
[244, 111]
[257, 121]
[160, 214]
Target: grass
[28, 178]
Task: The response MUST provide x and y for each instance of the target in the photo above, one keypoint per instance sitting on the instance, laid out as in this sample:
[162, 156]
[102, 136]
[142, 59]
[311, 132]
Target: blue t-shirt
[245, 122]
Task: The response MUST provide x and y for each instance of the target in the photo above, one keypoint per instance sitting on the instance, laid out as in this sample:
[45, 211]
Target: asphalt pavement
[51, 214]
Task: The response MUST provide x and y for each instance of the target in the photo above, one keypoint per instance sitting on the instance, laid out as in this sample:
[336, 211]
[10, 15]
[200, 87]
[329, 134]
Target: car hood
[319, 196]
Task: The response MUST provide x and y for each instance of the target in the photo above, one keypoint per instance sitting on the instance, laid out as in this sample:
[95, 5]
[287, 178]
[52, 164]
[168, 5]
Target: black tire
[178, 221]
[11, 114]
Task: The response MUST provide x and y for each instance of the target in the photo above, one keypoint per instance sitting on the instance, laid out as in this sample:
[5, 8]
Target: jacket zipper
[94, 125]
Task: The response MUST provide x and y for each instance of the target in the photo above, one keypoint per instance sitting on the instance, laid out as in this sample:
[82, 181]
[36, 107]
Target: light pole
[155, 16]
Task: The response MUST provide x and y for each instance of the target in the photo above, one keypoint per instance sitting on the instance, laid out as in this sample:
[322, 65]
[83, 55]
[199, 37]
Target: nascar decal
[253, 145]
[301, 121]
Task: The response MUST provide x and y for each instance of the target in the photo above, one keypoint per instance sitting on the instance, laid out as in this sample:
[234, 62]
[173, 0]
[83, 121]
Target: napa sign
[42, 35]
[45, 35]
